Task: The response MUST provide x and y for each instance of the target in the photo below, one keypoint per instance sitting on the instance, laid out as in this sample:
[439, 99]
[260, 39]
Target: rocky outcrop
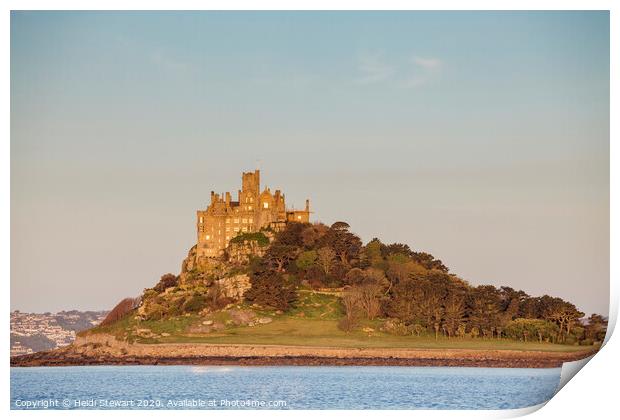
[234, 287]
[240, 252]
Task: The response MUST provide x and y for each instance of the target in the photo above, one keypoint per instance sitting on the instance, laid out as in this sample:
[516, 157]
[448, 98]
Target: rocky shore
[106, 350]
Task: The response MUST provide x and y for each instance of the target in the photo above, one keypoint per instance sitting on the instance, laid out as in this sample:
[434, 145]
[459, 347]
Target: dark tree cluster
[413, 289]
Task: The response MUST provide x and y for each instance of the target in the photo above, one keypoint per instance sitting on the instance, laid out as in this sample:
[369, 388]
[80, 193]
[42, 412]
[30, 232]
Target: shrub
[124, 307]
[259, 237]
[195, 303]
[166, 281]
[347, 324]
[271, 289]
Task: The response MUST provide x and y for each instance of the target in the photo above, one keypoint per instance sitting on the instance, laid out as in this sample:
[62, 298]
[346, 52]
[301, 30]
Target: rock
[165, 334]
[265, 320]
[207, 322]
[240, 252]
[234, 287]
[242, 317]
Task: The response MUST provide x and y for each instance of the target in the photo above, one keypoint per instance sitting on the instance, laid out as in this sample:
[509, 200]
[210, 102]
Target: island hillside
[311, 284]
[312, 290]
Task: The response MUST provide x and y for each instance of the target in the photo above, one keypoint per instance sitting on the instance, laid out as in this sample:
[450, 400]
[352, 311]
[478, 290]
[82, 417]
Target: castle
[254, 210]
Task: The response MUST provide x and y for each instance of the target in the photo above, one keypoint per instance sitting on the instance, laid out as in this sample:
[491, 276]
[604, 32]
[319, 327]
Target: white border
[591, 394]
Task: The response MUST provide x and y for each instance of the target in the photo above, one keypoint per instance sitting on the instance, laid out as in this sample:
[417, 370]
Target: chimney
[212, 197]
[227, 199]
[308, 205]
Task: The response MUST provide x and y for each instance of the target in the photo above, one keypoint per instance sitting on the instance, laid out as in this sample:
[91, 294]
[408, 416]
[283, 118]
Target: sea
[279, 387]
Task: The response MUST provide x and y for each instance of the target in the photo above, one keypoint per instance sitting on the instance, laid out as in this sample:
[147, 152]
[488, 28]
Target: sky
[480, 137]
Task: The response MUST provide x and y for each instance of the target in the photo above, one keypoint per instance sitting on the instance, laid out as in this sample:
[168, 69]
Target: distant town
[31, 332]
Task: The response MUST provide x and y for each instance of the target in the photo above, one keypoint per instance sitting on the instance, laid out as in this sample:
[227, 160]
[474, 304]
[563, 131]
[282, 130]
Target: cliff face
[240, 252]
[205, 284]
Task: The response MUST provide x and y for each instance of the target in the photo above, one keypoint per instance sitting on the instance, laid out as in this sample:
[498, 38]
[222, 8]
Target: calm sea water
[295, 387]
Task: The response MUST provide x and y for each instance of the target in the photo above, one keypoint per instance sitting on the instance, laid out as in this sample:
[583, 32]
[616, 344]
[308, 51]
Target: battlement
[224, 219]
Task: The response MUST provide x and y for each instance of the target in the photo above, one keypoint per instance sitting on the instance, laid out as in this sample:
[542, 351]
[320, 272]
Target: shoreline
[107, 351]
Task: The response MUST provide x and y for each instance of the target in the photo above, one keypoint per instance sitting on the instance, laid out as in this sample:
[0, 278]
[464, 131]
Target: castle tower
[250, 182]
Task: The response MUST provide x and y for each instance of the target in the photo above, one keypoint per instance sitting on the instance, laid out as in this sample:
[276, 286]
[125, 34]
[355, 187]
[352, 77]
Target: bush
[124, 307]
[526, 329]
[271, 289]
[259, 237]
[166, 281]
[195, 303]
[347, 324]
[155, 312]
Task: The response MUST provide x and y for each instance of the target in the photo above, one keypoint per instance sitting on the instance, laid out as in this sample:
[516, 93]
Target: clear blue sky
[480, 137]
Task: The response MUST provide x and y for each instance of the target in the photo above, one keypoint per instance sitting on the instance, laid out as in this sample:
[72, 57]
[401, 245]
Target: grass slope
[313, 322]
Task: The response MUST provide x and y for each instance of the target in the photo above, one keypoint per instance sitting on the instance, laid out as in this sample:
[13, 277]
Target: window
[250, 220]
[244, 229]
[228, 237]
[236, 220]
[251, 200]
[236, 229]
[227, 220]
[298, 217]
[265, 205]
[201, 219]
[250, 208]
[244, 220]
[208, 237]
[227, 229]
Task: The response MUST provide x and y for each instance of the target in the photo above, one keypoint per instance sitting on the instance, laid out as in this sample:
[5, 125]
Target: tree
[279, 255]
[429, 262]
[369, 292]
[345, 244]
[351, 303]
[484, 308]
[404, 301]
[306, 259]
[524, 328]
[325, 258]
[563, 313]
[124, 307]
[595, 328]
[271, 289]
[166, 281]
[454, 312]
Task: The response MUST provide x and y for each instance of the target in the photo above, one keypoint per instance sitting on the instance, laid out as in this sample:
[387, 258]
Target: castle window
[265, 205]
[250, 220]
[201, 219]
[251, 200]
[298, 217]
[236, 220]
[227, 220]
[236, 229]
[244, 229]
[250, 208]
[244, 220]
[208, 237]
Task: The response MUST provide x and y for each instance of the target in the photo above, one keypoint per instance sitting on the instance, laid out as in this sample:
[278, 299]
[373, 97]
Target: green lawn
[325, 333]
